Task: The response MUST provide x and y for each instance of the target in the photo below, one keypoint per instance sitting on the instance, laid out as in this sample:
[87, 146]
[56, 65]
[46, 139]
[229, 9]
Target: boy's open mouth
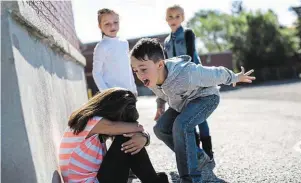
[146, 82]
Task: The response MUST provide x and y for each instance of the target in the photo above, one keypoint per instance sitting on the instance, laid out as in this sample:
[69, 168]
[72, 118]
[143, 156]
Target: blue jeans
[176, 130]
[204, 129]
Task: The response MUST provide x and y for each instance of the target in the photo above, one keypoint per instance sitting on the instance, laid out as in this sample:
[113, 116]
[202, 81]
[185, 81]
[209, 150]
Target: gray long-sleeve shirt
[187, 81]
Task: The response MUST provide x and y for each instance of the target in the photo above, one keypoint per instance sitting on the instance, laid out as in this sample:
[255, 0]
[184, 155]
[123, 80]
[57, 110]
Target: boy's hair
[175, 7]
[148, 49]
[115, 104]
[104, 11]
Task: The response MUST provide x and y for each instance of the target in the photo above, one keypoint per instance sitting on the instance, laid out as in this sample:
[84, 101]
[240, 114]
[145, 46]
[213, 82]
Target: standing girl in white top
[111, 64]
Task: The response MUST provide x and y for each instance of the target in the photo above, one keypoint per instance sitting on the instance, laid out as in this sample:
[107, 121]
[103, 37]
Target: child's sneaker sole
[203, 159]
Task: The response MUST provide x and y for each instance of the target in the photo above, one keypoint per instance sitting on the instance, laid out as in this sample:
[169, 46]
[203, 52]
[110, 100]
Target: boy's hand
[135, 144]
[244, 77]
[159, 112]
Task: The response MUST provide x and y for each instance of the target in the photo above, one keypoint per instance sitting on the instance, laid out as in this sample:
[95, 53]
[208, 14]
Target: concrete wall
[42, 82]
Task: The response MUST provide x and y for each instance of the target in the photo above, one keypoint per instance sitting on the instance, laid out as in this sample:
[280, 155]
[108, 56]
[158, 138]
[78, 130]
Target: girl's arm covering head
[108, 127]
[114, 104]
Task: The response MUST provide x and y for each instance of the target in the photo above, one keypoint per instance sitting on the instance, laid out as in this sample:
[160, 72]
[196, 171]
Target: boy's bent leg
[204, 129]
[196, 112]
[206, 139]
[163, 128]
[203, 133]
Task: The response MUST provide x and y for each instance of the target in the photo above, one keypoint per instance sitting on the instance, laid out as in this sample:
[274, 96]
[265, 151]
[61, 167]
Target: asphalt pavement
[256, 134]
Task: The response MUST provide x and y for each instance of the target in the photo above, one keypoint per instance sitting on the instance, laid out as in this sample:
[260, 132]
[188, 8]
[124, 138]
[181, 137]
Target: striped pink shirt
[80, 157]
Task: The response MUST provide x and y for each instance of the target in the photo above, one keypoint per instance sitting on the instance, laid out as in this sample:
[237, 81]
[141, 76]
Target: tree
[212, 28]
[256, 39]
[264, 43]
[297, 10]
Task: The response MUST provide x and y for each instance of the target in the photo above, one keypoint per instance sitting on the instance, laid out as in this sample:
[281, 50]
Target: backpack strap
[190, 43]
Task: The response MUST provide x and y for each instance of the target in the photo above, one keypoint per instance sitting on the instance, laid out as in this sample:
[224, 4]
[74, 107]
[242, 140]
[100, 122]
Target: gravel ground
[256, 135]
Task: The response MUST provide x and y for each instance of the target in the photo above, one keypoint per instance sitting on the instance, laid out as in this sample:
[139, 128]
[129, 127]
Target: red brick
[59, 15]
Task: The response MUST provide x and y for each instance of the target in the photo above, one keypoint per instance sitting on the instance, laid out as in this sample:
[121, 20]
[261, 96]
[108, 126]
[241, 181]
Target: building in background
[43, 81]
[215, 59]
[218, 59]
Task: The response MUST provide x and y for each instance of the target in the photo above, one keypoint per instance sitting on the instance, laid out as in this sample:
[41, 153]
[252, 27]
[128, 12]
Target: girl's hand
[135, 144]
[244, 77]
[159, 113]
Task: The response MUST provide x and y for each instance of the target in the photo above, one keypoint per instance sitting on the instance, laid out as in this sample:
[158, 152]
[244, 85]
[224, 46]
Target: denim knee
[181, 127]
[158, 131]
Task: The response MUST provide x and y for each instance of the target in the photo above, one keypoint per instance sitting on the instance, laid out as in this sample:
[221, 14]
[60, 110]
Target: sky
[147, 17]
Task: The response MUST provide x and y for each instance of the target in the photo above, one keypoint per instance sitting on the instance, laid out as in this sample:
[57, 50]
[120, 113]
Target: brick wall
[59, 15]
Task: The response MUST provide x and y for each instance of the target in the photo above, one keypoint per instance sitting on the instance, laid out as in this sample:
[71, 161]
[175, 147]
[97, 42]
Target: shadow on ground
[226, 88]
[56, 178]
[207, 175]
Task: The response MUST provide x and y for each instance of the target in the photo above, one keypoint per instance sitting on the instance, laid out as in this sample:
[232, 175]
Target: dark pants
[116, 165]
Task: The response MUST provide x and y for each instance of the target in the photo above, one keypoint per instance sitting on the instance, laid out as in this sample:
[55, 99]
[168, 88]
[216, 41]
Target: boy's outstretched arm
[245, 77]
[212, 76]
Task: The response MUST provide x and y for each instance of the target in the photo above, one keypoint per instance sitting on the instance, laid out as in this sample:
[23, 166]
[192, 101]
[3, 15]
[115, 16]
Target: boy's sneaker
[203, 159]
[211, 156]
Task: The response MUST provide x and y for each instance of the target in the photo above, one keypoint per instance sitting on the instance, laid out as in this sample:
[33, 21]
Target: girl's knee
[120, 139]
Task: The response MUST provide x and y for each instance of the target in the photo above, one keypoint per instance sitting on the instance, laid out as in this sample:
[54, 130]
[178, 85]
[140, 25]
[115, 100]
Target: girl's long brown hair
[115, 104]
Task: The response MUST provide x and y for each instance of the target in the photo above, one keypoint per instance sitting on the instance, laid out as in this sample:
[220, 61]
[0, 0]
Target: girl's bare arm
[108, 127]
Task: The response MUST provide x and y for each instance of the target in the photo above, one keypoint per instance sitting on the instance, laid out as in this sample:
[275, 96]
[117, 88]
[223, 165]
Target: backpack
[190, 45]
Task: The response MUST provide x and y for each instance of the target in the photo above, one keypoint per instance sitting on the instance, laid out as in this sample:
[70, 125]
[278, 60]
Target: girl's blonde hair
[104, 11]
[175, 7]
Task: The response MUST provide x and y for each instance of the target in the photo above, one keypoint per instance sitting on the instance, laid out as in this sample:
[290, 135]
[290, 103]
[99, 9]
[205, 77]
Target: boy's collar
[169, 76]
[159, 86]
